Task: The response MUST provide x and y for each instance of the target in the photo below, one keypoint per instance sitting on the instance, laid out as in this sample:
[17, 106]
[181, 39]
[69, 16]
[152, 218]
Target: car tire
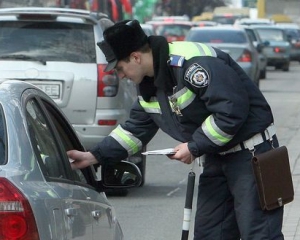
[286, 67]
[263, 74]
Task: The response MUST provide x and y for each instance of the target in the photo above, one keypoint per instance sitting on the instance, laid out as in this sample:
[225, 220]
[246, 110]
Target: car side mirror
[260, 47]
[121, 175]
[266, 43]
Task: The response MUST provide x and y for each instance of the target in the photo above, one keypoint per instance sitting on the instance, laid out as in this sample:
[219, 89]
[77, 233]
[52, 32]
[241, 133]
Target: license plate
[52, 90]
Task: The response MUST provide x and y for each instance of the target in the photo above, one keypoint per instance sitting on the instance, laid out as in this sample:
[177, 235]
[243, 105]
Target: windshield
[50, 41]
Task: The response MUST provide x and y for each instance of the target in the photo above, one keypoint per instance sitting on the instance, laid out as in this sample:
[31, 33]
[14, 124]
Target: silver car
[233, 41]
[277, 46]
[41, 197]
[56, 49]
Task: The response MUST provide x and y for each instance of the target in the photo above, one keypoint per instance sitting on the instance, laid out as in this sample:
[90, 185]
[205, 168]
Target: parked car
[277, 47]
[171, 30]
[232, 40]
[56, 49]
[228, 15]
[259, 45]
[292, 30]
[41, 196]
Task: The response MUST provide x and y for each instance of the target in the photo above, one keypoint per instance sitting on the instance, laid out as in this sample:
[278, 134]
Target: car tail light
[16, 216]
[108, 122]
[278, 50]
[108, 82]
[297, 44]
[245, 57]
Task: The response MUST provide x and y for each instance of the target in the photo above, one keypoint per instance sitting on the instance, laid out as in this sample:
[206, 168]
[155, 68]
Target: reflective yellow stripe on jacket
[191, 49]
[214, 133]
[127, 140]
[184, 98]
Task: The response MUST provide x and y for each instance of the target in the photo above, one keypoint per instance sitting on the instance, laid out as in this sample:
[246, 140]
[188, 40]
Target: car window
[172, 30]
[221, 36]
[66, 136]
[271, 35]
[51, 41]
[251, 35]
[2, 138]
[43, 141]
[293, 33]
[45, 144]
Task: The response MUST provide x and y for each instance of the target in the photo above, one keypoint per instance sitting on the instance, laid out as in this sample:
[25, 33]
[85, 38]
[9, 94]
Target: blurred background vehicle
[280, 18]
[233, 41]
[41, 196]
[253, 21]
[204, 23]
[292, 30]
[148, 29]
[170, 29]
[170, 18]
[204, 16]
[56, 49]
[277, 45]
[259, 45]
[228, 15]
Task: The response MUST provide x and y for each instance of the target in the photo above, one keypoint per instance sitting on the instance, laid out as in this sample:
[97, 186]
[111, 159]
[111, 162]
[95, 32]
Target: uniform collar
[162, 77]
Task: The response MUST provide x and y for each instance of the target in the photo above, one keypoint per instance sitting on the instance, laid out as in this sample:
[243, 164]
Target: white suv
[56, 49]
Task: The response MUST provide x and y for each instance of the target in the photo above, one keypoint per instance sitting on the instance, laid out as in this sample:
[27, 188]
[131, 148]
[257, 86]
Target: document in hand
[167, 151]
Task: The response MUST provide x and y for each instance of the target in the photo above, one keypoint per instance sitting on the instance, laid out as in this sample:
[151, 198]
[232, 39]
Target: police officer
[199, 96]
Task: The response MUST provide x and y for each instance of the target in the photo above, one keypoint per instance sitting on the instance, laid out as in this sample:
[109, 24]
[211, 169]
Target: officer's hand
[80, 159]
[182, 154]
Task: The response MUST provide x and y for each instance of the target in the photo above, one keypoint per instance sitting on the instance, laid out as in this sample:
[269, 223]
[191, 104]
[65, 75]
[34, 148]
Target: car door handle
[70, 212]
[96, 214]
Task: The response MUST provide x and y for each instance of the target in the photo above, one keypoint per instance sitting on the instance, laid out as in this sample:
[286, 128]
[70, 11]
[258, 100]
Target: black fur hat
[123, 38]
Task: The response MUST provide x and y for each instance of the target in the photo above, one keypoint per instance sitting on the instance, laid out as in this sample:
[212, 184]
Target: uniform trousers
[228, 205]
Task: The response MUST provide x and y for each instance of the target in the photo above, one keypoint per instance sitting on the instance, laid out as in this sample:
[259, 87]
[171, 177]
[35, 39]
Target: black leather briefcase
[273, 177]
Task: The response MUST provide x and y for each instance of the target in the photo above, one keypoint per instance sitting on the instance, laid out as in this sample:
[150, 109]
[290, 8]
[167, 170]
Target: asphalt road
[155, 211]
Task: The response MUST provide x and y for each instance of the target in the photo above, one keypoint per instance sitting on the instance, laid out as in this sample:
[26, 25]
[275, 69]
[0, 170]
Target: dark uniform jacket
[198, 95]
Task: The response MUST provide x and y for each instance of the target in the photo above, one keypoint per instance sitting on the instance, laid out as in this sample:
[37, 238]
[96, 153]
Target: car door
[77, 210]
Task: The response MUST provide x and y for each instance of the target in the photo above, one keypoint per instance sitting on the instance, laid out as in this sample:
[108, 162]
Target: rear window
[226, 19]
[172, 30]
[271, 34]
[213, 36]
[50, 41]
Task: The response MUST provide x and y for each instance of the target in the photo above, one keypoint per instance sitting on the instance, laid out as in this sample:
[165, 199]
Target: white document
[167, 151]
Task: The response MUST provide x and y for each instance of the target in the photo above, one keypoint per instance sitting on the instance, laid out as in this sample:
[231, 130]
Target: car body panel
[64, 202]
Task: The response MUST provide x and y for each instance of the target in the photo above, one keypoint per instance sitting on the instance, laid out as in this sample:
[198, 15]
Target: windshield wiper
[23, 57]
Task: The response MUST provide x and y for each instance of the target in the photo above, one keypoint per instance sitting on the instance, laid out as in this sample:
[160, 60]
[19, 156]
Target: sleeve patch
[197, 76]
[176, 60]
